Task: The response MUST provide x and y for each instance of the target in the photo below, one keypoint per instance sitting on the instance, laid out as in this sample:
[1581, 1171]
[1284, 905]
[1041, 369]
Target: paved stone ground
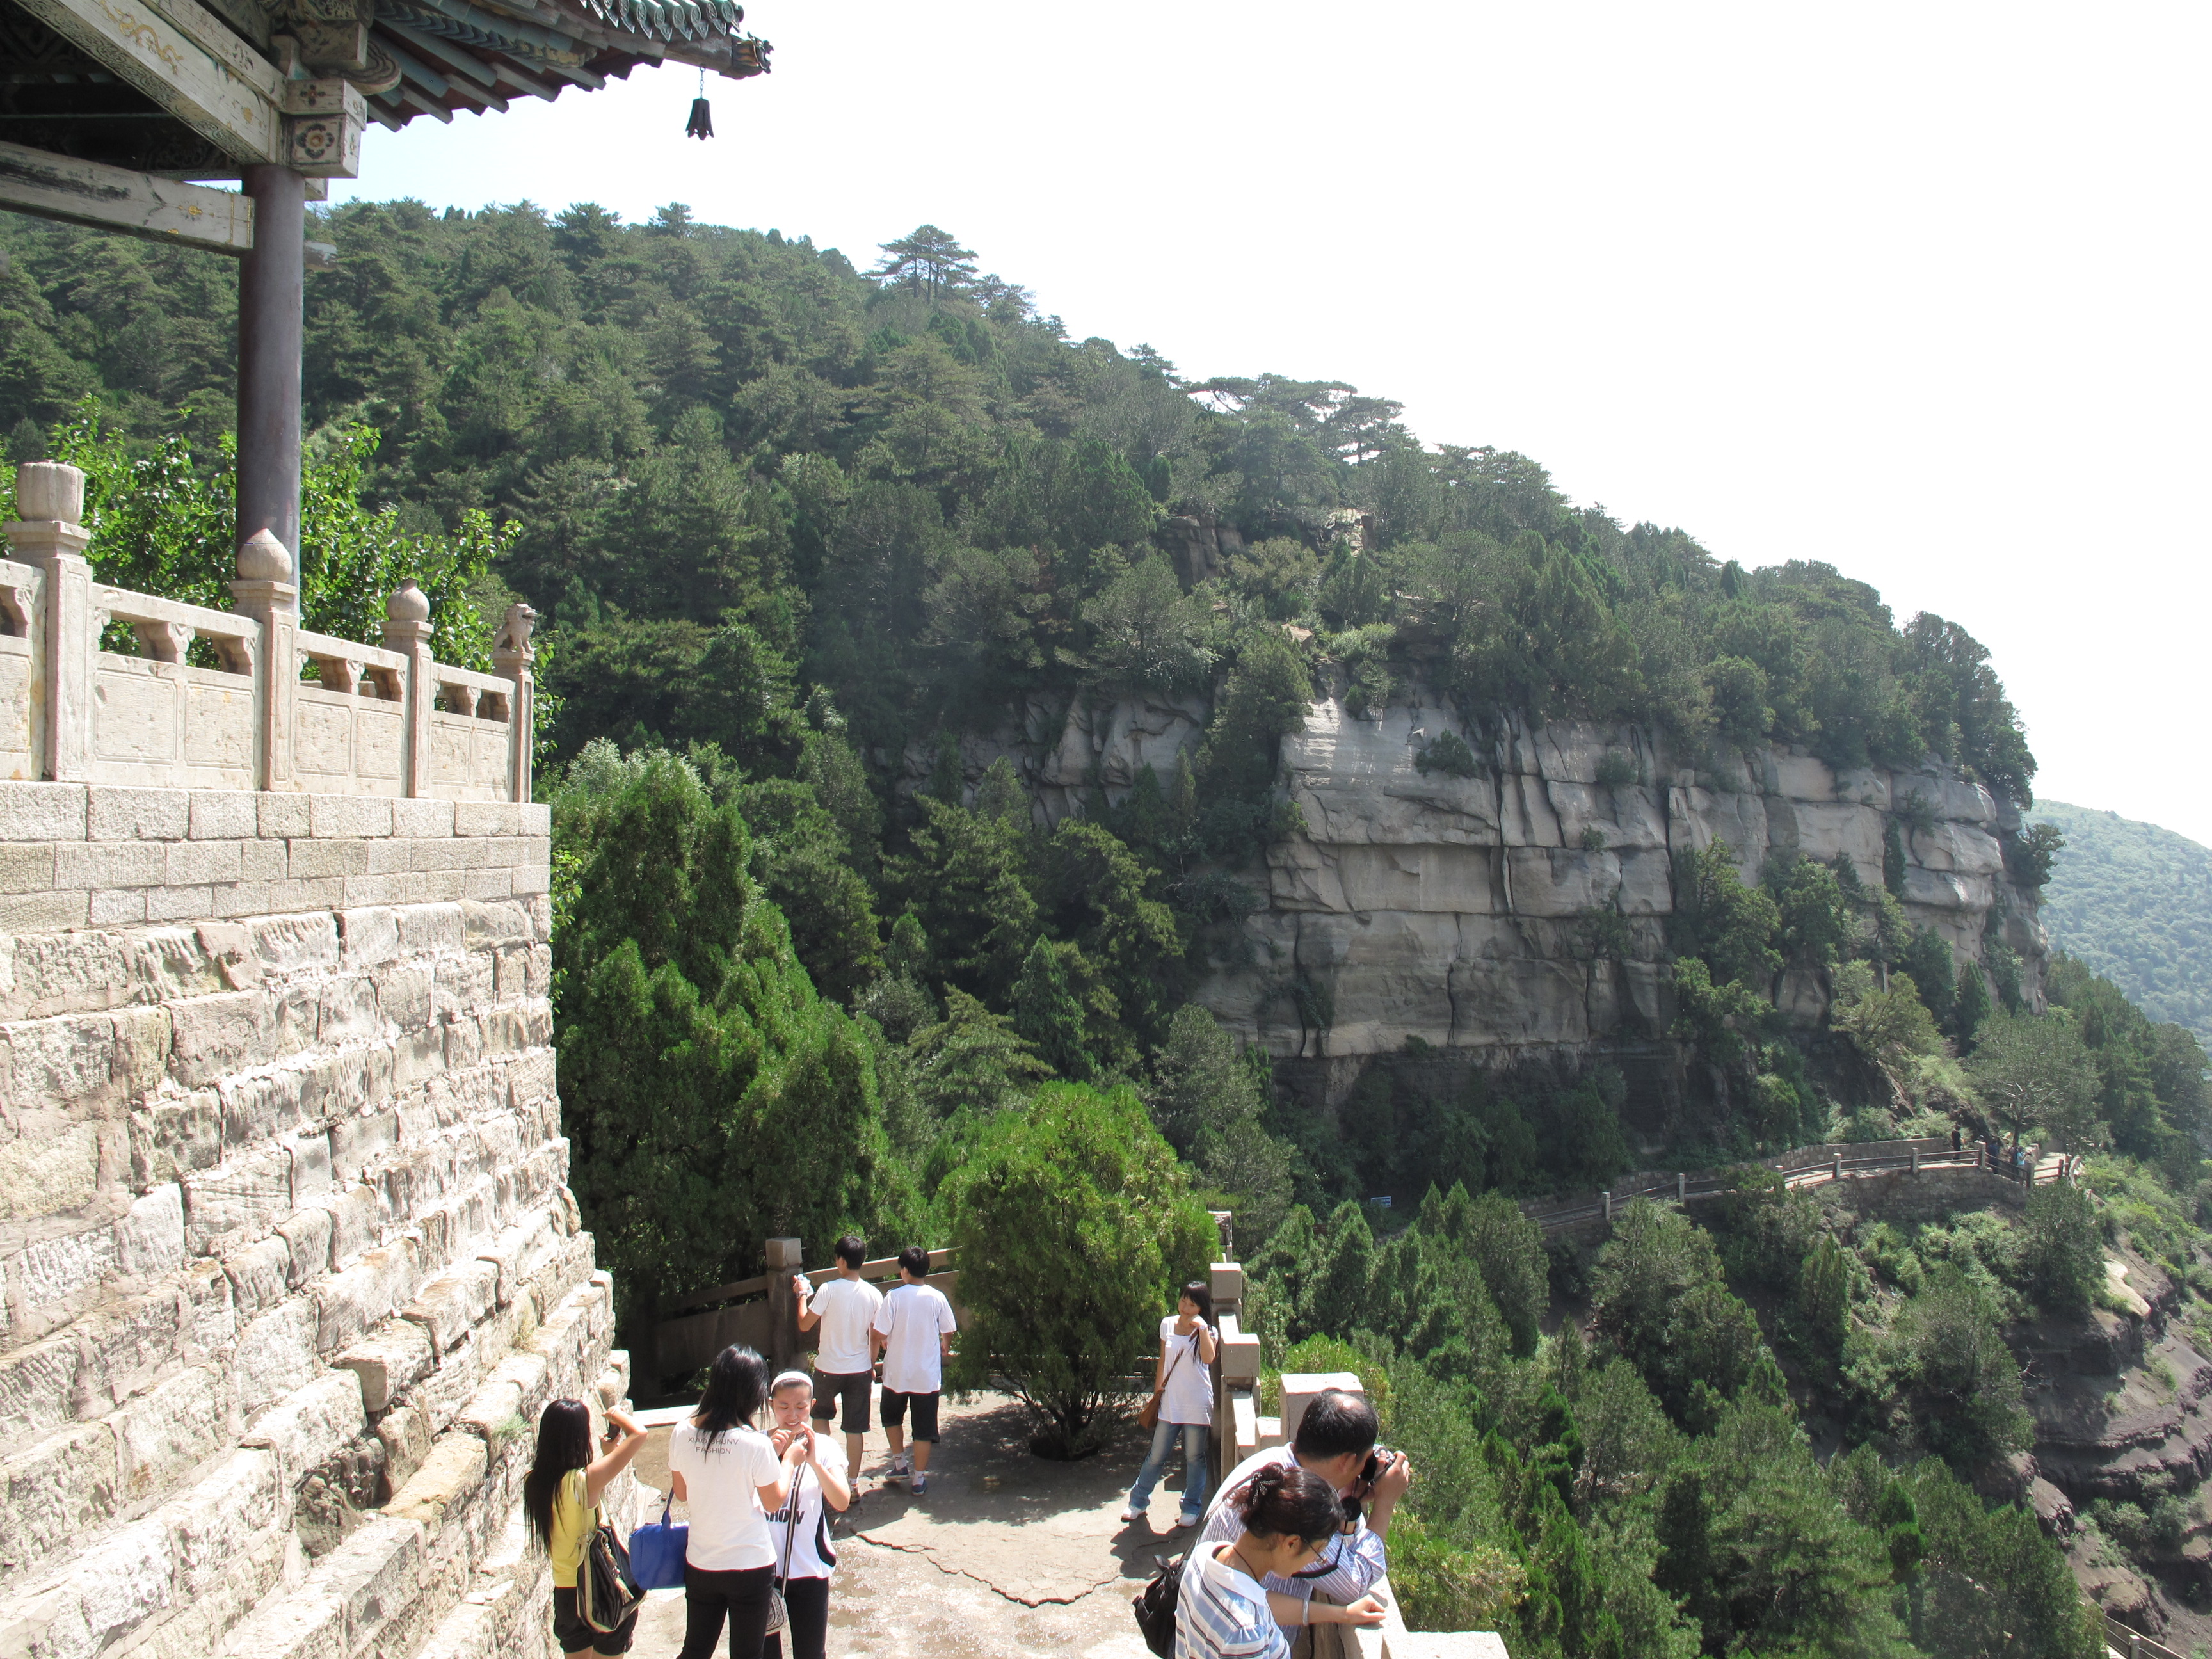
[1006, 1555]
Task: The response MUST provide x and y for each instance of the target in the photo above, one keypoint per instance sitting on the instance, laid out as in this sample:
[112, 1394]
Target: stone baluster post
[1238, 1372]
[265, 591]
[784, 1259]
[1681, 1187]
[511, 656]
[407, 630]
[50, 495]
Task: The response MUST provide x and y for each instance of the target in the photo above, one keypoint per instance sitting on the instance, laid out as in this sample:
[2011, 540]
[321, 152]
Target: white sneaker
[901, 1466]
[1132, 1515]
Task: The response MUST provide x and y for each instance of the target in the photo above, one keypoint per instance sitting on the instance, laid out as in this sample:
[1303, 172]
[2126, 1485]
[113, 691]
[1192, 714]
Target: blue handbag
[656, 1551]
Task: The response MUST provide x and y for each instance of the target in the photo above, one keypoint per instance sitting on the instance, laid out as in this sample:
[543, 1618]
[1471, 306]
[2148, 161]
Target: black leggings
[808, 1600]
[709, 1597]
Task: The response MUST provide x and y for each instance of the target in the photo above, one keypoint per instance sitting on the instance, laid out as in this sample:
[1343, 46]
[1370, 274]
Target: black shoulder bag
[1156, 1604]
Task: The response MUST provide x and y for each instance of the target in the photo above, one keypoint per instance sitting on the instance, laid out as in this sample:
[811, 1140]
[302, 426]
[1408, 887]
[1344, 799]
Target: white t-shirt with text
[848, 1308]
[912, 1319]
[801, 1539]
[1190, 1397]
[721, 1489]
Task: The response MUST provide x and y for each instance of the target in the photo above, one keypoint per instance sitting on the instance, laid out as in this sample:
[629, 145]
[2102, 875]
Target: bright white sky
[1918, 290]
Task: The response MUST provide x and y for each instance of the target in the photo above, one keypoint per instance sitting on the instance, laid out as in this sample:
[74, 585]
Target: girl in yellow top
[560, 1495]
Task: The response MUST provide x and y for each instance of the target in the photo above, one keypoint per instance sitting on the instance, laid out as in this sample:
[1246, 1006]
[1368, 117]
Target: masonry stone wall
[290, 1261]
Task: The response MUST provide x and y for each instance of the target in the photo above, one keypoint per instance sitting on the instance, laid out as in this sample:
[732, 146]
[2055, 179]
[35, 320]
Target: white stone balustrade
[379, 719]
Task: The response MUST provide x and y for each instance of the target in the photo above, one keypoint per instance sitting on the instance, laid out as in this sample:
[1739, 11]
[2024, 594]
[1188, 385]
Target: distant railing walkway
[1802, 1166]
[2121, 1643]
[379, 719]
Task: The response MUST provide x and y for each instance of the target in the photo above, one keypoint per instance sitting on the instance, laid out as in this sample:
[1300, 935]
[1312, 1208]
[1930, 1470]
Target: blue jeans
[1197, 1474]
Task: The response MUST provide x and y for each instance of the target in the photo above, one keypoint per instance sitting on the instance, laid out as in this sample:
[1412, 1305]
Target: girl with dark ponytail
[1290, 1515]
[559, 1494]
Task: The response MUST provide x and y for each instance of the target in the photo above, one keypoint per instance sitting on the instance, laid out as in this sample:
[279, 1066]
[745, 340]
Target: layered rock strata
[290, 1261]
[1420, 902]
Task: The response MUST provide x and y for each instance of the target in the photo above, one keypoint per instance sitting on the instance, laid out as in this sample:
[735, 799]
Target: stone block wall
[290, 1263]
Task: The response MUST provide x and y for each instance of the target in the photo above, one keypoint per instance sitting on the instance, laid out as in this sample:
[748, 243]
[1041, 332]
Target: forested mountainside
[2134, 903]
[849, 930]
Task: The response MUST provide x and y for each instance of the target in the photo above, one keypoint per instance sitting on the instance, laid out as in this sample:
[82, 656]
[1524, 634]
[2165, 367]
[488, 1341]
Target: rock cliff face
[1457, 909]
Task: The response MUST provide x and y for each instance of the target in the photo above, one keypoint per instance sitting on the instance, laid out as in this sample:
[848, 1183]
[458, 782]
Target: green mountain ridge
[2134, 903]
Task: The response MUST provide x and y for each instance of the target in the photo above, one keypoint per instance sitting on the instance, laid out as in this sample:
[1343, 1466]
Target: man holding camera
[1335, 1440]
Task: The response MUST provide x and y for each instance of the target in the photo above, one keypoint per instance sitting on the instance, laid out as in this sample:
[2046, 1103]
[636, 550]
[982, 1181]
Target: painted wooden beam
[214, 37]
[161, 60]
[109, 198]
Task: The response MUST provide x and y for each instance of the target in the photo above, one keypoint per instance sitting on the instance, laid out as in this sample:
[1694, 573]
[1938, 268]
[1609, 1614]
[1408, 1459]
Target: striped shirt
[1222, 1614]
[1344, 1571]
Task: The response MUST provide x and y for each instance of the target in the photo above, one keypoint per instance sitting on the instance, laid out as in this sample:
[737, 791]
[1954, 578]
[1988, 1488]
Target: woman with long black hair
[730, 1479]
[560, 1496]
[1183, 1379]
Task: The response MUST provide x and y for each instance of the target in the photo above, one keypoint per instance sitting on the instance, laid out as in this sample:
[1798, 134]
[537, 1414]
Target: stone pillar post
[271, 293]
[50, 495]
[1916, 1160]
[511, 656]
[1681, 1187]
[784, 1256]
[265, 590]
[1607, 1197]
[407, 630]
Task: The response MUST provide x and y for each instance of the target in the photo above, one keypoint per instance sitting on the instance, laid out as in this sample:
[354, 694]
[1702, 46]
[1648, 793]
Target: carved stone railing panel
[378, 720]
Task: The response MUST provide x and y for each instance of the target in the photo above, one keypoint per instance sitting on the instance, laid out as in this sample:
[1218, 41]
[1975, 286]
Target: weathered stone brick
[365, 1141]
[416, 887]
[403, 995]
[304, 1622]
[433, 926]
[467, 981]
[150, 1240]
[307, 1235]
[356, 1221]
[289, 943]
[113, 813]
[485, 817]
[491, 1411]
[116, 1586]
[210, 1318]
[533, 818]
[58, 1062]
[228, 1208]
[417, 1056]
[440, 1395]
[259, 1277]
[163, 1435]
[49, 1175]
[36, 913]
[35, 1387]
[335, 816]
[297, 1008]
[309, 1424]
[179, 904]
[541, 916]
[219, 1035]
[529, 1376]
[261, 1107]
[449, 1306]
[311, 1167]
[175, 1135]
[464, 1041]
[389, 1361]
[422, 818]
[376, 1573]
[281, 818]
[57, 1489]
[26, 866]
[117, 907]
[261, 862]
[369, 936]
[68, 973]
[533, 880]
[347, 857]
[346, 1011]
[349, 1302]
[220, 1517]
[487, 885]
[339, 1085]
[406, 1433]
[139, 1058]
[248, 899]
[520, 1252]
[52, 1270]
[449, 1477]
[223, 815]
[42, 812]
[496, 924]
[276, 1354]
[203, 861]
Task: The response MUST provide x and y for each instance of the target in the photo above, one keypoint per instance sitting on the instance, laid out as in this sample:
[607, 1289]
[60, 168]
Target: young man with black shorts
[913, 1333]
[844, 1359]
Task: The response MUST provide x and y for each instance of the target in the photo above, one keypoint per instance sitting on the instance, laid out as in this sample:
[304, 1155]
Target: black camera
[1355, 1505]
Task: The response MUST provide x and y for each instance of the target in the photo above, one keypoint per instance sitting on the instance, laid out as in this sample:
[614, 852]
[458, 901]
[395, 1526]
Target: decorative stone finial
[49, 491]
[409, 604]
[263, 558]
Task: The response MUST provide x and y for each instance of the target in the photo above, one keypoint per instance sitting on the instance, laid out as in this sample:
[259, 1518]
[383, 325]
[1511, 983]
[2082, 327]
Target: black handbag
[607, 1597]
[1156, 1604]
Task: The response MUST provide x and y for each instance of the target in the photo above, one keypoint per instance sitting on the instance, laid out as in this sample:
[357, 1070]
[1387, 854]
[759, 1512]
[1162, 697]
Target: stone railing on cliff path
[384, 720]
[1802, 1166]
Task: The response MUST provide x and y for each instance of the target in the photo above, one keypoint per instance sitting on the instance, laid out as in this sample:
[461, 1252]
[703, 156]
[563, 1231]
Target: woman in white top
[1290, 1515]
[800, 1532]
[731, 1480]
[1183, 1378]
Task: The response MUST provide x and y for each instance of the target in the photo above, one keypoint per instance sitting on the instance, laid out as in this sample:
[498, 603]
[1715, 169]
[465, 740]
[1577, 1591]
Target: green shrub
[1447, 753]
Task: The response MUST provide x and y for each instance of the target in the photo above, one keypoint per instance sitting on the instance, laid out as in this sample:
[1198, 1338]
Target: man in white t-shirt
[844, 1357]
[914, 1334]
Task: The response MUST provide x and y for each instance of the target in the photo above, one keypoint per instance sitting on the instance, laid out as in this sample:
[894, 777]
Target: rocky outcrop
[1461, 906]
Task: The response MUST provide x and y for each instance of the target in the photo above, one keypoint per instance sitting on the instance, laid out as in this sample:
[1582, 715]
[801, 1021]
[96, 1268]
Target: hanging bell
[702, 123]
